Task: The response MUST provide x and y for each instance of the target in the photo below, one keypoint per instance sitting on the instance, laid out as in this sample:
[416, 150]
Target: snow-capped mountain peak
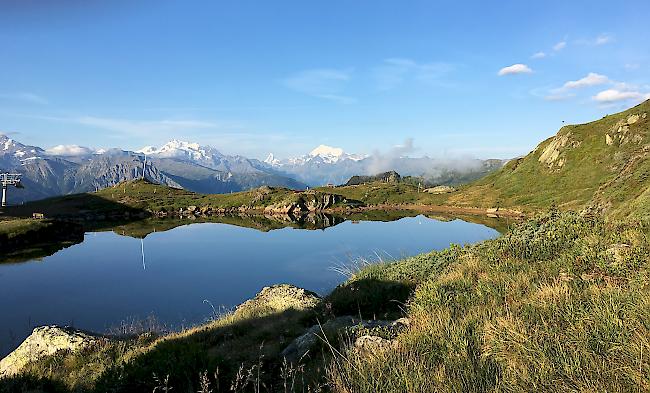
[183, 150]
[322, 154]
[9, 147]
[148, 150]
[271, 160]
[206, 156]
[329, 152]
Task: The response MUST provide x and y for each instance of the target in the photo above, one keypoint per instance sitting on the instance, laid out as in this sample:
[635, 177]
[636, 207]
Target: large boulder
[316, 202]
[45, 341]
[300, 347]
[278, 298]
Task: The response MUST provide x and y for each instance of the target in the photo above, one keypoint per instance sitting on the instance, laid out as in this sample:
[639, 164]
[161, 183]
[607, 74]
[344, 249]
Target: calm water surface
[102, 282]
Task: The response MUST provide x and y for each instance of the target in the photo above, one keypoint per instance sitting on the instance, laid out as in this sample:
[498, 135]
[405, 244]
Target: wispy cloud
[124, 128]
[141, 127]
[556, 95]
[69, 150]
[601, 39]
[385, 161]
[322, 83]
[538, 55]
[618, 91]
[515, 69]
[592, 79]
[393, 72]
[559, 46]
[24, 97]
[566, 91]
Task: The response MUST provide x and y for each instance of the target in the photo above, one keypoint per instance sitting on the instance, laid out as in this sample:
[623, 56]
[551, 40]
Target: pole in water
[4, 196]
[144, 266]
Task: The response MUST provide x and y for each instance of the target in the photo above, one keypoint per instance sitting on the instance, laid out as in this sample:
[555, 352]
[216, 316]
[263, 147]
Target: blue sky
[483, 79]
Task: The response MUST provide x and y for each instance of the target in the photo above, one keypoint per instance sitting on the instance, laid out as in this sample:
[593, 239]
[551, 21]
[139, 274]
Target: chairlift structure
[6, 180]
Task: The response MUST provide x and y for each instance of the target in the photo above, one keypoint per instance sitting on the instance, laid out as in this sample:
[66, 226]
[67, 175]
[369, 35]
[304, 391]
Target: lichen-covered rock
[440, 190]
[302, 203]
[301, 346]
[551, 156]
[278, 298]
[374, 345]
[45, 341]
[317, 202]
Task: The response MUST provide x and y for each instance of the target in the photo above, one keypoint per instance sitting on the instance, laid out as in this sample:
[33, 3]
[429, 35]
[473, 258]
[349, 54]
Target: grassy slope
[590, 173]
[386, 193]
[544, 308]
[16, 227]
[139, 195]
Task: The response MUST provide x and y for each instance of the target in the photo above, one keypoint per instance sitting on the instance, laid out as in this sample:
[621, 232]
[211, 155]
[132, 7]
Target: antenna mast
[144, 167]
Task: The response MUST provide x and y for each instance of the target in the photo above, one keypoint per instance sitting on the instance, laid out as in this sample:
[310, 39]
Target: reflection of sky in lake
[101, 282]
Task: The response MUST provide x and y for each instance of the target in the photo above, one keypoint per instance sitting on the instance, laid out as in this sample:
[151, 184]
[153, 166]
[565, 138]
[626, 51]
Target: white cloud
[632, 66]
[603, 39]
[396, 71]
[592, 79]
[69, 150]
[559, 46]
[126, 128]
[558, 96]
[613, 95]
[25, 97]
[322, 83]
[515, 69]
[538, 55]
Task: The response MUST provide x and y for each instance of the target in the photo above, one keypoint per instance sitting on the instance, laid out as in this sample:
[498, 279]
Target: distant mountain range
[62, 170]
[72, 169]
[327, 164]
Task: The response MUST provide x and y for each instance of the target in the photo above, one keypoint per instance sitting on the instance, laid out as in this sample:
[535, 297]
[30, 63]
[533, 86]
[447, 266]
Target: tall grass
[548, 307]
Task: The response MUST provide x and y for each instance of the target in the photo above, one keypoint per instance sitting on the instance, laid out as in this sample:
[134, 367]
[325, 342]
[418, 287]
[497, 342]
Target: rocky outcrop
[305, 202]
[440, 190]
[386, 177]
[301, 346]
[553, 154]
[317, 201]
[622, 132]
[45, 341]
[278, 298]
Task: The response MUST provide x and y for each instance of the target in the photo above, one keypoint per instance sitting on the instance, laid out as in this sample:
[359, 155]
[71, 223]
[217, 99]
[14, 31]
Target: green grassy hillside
[602, 165]
[141, 196]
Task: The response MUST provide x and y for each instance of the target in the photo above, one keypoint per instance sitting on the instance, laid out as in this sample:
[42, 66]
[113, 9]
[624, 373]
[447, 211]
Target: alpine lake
[169, 274]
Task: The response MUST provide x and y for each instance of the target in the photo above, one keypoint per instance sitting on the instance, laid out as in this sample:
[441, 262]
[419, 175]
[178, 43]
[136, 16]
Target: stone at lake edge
[44, 341]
